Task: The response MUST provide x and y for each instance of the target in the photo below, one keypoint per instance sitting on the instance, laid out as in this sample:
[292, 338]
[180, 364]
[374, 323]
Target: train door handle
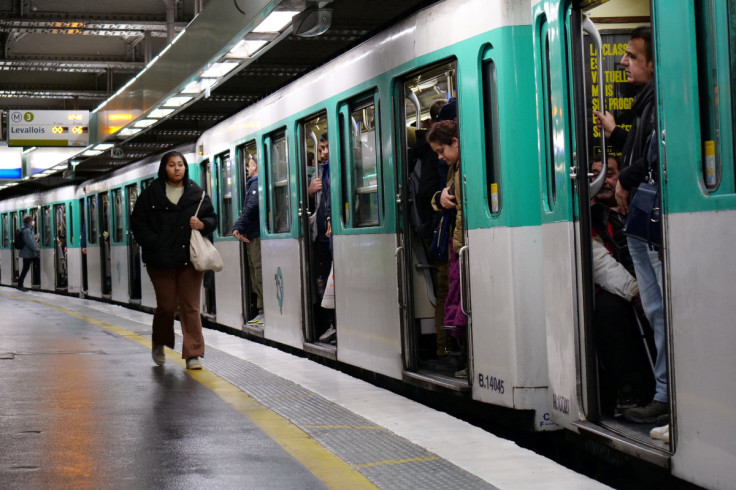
[399, 255]
[464, 280]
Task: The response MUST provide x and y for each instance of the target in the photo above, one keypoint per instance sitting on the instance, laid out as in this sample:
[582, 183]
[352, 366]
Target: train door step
[433, 381]
[322, 350]
[654, 453]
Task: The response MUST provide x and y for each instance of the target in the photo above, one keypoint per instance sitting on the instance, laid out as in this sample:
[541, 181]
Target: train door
[105, 258]
[83, 244]
[134, 251]
[210, 303]
[15, 262]
[432, 353]
[244, 154]
[579, 71]
[314, 255]
[61, 274]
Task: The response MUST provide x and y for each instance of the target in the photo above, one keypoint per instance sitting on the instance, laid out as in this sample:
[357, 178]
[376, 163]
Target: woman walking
[162, 222]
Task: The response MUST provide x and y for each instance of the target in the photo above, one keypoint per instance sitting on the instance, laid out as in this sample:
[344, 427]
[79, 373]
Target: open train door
[571, 82]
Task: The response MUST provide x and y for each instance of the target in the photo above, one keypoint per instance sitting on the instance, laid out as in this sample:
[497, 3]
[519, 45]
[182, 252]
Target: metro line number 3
[490, 383]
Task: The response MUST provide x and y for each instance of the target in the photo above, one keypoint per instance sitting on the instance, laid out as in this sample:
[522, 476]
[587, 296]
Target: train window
[716, 41]
[277, 203]
[244, 154]
[6, 234]
[424, 95]
[547, 120]
[224, 169]
[34, 212]
[492, 149]
[118, 220]
[92, 218]
[46, 226]
[145, 183]
[360, 147]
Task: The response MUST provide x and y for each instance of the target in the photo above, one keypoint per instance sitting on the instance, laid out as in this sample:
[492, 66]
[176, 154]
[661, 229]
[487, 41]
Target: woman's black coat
[162, 228]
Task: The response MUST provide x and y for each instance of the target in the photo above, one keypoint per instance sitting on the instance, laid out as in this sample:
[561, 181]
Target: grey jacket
[30, 249]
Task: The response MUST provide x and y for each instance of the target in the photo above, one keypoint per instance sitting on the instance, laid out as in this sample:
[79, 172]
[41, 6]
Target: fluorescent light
[104, 146]
[276, 21]
[219, 69]
[91, 153]
[160, 113]
[129, 131]
[144, 123]
[192, 88]
[177, 101]
[245, 49]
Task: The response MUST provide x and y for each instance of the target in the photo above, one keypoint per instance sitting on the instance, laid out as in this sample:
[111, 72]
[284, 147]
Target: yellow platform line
[397, 461]
[326, 466]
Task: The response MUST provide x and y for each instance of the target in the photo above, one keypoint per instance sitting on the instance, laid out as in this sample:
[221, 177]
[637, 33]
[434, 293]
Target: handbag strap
[200, 204]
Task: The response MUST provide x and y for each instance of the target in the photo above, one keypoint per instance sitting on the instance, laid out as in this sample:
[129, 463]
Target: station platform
[84, 406]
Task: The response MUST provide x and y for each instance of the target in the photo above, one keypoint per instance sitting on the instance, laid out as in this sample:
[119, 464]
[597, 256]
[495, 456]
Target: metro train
[526, 75]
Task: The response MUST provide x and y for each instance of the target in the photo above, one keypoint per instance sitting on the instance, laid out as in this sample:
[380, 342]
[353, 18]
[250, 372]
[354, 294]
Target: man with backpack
[30, 252]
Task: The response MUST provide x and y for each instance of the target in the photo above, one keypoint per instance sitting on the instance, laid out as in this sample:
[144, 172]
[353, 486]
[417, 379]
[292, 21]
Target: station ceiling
[75, 54]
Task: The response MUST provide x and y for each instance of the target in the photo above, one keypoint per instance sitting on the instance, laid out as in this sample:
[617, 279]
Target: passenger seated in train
[428, 178]
[444, 137]
[321, 233]
[247, 229]
[626, 376]
[638, 62]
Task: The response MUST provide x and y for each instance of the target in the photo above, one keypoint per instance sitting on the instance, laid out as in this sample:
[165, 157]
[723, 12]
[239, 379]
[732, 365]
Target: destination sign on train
[48, 128]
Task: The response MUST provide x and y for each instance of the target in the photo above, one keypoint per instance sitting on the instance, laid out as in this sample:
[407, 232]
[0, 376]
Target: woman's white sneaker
[193, 363]
[661, 433]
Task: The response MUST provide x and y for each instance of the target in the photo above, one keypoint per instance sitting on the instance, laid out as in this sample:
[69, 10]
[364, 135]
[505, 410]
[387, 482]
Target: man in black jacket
[638, 63]
[247, 229]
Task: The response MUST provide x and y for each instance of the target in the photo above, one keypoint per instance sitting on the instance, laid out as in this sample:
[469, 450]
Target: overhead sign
[48, 128]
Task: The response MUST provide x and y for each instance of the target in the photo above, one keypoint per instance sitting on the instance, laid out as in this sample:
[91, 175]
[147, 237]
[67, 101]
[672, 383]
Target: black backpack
[19, 242]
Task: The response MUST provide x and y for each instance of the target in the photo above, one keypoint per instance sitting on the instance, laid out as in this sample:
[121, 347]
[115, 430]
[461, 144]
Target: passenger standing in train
[626, 377]
[30, 253]
[638, 62]
[247, 229]
[162, 222]
[444, 139]
[433, 175]
[321, 231]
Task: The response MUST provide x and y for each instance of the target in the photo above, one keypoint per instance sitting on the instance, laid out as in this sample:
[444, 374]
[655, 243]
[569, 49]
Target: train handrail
[590, 29]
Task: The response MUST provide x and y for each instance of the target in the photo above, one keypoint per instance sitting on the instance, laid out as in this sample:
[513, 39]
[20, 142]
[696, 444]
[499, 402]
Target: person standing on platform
[30, 253]
[247, 229]
[162, 222]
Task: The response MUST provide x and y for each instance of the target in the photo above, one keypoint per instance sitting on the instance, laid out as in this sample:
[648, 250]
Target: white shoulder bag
[202, 252]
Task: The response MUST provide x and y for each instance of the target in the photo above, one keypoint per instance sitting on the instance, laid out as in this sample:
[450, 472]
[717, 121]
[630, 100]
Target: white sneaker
[158, 355]
[193, 363]
[661, 433]
[328, 334]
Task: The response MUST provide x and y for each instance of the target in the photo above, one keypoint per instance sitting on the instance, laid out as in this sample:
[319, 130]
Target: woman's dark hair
[165, 160]
[443, 132]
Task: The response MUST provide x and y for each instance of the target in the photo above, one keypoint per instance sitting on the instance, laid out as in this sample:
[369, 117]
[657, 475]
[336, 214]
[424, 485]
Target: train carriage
[526, 77]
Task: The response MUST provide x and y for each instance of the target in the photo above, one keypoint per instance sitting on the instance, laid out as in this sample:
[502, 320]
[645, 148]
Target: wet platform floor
[84, 406]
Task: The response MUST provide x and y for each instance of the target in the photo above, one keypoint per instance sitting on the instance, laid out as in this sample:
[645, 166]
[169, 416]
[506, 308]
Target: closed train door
[134, 251]
[433, 354]
[601, 353]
